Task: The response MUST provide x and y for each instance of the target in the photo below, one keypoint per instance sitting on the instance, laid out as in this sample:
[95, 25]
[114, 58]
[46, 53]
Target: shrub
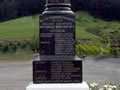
[12, 47]
[5, 48]
[92, 49]
[34, 43]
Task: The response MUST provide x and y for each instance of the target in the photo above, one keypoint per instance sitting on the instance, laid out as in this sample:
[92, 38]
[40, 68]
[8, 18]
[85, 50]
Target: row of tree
[10, 9]
[106, 9]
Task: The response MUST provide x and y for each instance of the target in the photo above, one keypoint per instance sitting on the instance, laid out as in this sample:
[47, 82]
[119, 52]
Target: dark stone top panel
[57, 34]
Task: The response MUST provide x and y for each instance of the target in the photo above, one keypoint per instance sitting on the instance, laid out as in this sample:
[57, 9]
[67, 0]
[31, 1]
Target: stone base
[72, 86]
[57, 71]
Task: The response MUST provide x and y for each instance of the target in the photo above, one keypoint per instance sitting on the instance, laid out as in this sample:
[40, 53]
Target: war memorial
[57, 67]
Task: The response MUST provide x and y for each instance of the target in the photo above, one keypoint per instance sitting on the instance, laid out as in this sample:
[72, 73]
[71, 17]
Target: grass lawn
[85, 21]
[20, 28]
[28, 27]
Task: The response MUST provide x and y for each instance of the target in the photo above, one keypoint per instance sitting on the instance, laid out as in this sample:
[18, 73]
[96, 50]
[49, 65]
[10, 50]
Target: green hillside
[86, 24]
[27, 27]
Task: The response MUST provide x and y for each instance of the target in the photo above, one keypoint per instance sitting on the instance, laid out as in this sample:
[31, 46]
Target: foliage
[91, 28]
[106, 9]
[35, 44]
[27, 28]
[88, 49]
[17, 46]
[18, 8]
[96, 86]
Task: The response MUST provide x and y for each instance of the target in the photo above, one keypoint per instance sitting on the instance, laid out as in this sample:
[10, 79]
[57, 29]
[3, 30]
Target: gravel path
[16, 75]
[102, 70]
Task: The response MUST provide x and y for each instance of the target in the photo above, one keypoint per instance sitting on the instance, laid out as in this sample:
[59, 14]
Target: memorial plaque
[57, 72]
[57, 35]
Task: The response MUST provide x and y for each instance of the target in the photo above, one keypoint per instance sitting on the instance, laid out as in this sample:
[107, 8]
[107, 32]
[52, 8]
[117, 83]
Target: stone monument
[57, 66]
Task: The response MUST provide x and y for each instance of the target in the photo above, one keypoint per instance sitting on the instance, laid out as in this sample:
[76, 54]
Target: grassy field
[28, 27]
[25, 27]
[87, 22]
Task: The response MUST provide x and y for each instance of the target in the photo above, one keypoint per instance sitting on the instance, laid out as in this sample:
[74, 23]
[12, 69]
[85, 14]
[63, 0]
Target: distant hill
[87, 27]
[90, 27]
